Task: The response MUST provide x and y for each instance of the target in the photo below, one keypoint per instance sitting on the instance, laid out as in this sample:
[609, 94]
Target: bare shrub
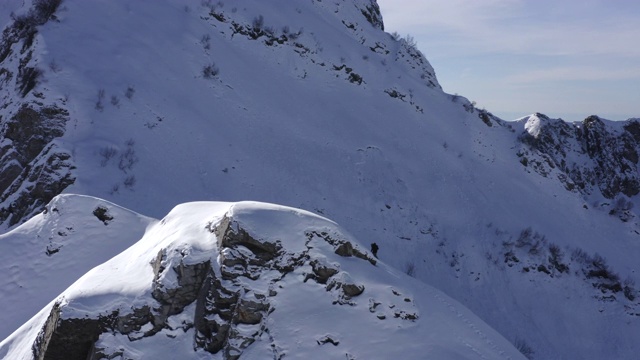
[555, 258]
[129, 92]
[621, 207]
[531, 240]
[269, 30]
[295, 35]
[525, 238]
[28, 78]
[210, 71]
[107, 153]
[128, 157]
[129, 182]
[410, 268]
[410, 41]
[258, 22]
[205, 40]
[628, 289]
[99, 105]
[580, 256]
[54, 67]
[524, 348]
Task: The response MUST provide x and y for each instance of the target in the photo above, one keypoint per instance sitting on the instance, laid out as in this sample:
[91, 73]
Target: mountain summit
[531, 224]
[246, 280]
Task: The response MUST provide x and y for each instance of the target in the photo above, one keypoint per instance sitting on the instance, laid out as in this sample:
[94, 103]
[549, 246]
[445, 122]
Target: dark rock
[174, 300]
[230, 235]
[542, 268]
[328, 339]
[102, 213]
[345, 249]
[250, 311]
[71, 339]
[322, 272]
[352, 290]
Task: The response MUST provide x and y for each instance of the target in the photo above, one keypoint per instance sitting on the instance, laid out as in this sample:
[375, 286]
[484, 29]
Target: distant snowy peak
[535, 123]
[252, 281]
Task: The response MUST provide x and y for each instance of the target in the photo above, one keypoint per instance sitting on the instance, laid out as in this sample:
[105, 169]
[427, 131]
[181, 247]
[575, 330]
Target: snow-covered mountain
[242, 280]
[148, 104]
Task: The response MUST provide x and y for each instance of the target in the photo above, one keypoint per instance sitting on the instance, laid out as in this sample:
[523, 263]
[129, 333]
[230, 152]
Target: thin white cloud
[512, 26]
[577, 73]
[521, 56]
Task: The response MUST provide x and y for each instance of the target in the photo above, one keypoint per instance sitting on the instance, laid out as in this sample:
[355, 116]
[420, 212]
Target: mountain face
[34, 167]
[531, 223]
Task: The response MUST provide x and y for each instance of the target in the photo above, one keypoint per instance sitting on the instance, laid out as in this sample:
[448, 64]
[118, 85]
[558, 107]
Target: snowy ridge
[320, 294]
[53, 249]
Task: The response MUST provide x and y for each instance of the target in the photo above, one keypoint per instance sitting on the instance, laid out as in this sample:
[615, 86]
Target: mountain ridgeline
[314, 106]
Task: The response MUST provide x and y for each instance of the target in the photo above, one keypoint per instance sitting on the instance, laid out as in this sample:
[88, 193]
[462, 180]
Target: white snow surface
[52, 250]
[436, 188]
[303, 313]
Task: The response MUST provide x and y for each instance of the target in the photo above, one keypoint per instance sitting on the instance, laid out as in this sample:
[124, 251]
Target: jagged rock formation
[594, 155]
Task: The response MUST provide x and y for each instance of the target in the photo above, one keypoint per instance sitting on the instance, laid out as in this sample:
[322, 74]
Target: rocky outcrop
[228, 313]
[33, 168]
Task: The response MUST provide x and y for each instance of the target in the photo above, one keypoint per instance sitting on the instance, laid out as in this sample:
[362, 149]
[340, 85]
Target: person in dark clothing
[374, 249]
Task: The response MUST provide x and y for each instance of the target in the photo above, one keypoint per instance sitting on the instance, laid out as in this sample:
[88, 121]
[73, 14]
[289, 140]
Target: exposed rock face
[33, 170]
[33, 167]
[587, 157]
[229, 314]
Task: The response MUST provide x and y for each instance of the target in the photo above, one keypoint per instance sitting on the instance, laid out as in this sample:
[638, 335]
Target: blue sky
[567, 59]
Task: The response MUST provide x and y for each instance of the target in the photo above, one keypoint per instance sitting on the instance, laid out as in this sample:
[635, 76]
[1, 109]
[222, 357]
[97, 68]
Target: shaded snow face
[251, 281]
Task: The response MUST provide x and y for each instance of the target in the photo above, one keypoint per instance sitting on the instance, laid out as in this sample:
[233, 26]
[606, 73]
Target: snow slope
[342, 120]
[394, 317]
[53, 249]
